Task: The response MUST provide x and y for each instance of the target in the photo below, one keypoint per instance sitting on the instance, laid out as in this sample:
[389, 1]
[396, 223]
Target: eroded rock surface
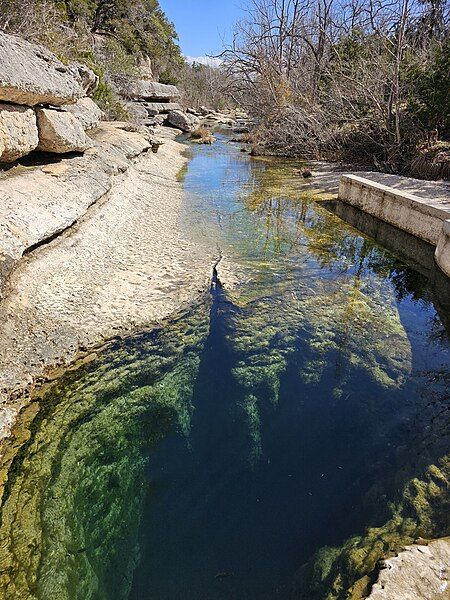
[87, 78]
[18, 131]
[30, 74]
[74, 292]
[39, 202]
[152, 90]
[418, 572]
[156, 108]
[60, 132]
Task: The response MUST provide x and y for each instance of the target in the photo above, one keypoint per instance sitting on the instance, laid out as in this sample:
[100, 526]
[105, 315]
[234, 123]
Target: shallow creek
[273, 441]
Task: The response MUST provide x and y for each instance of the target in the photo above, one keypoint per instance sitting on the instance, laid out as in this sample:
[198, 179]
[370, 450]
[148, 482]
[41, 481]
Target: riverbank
[209, 410]
[114, 265]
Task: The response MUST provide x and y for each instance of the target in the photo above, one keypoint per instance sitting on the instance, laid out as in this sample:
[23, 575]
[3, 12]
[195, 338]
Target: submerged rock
[30, 74]
[60, 132]
[18, 131]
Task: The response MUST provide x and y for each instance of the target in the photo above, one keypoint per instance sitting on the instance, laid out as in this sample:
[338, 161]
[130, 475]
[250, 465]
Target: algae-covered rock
[75, 489]
[421, 512]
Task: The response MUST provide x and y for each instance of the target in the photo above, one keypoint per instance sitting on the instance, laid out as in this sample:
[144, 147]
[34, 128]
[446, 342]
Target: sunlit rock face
[30, 74]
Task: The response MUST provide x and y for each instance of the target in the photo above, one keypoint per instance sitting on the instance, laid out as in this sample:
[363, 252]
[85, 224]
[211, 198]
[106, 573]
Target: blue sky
[202, 24]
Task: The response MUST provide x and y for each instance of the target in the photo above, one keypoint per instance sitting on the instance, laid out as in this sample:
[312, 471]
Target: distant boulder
[183, 121]
[30, 74]
[151, 90]
[156, 108]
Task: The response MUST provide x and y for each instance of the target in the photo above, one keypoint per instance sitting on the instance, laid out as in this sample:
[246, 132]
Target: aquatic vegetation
[348, 572]
[75, 491]
[298, 418]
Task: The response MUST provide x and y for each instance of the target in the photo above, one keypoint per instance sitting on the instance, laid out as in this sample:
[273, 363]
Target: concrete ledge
[421, 217]
[442, 255]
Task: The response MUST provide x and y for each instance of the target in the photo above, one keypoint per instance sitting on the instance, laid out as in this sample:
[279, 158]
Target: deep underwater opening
[272, 441]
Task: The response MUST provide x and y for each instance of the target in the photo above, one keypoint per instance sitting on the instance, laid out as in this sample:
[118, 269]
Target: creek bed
[272, 441]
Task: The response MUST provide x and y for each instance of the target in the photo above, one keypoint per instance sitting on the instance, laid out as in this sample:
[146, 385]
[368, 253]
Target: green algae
[314, 297]
[75, 490]
[348, 572]
[345, 322]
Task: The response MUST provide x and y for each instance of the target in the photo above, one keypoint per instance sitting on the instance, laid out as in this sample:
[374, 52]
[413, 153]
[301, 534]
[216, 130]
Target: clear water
[271, 442]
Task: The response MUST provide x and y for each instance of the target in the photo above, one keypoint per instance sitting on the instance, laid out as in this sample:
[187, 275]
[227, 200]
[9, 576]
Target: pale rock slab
[182, 121]
[87, 113]
[156, 108]
[418, 571]
[18, 131]
[136, 110]
[30, 74]
[152, 90]
[60, 132]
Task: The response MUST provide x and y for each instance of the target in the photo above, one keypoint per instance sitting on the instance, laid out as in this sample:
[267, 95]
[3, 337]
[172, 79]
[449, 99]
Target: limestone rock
[136, 110]
[182, 121]
[60, 132]
[87, 112]
[18, 131]
[145, 68]
[30, 74]
[418, 572]
[156, 108]
[151, 90]
[157, 120]
[86, 77]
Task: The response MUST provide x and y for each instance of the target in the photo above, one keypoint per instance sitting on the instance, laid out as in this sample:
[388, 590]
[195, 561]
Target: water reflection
[298, 419]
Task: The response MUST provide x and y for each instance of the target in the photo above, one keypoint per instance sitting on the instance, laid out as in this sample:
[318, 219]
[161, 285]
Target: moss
[75, 489]
[182, 173]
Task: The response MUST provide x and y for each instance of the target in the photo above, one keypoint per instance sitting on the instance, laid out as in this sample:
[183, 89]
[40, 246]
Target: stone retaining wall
[425, 218]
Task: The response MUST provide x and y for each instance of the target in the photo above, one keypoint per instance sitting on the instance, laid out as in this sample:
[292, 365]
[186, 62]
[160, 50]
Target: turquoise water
[272, 441]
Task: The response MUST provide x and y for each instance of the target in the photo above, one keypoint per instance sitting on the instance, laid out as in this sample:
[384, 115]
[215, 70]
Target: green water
[273, 441]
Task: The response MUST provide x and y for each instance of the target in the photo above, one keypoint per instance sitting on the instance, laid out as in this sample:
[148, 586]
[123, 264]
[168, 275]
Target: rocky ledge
[90, 240]
[418, 572]
[43, 103]
[95, 251]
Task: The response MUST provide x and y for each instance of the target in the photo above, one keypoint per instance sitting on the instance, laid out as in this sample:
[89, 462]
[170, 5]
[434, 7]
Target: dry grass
[200, 133]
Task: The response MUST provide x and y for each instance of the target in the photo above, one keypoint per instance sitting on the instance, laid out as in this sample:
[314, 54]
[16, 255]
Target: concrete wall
[442, 255]
[418, 216]
[425, 218]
